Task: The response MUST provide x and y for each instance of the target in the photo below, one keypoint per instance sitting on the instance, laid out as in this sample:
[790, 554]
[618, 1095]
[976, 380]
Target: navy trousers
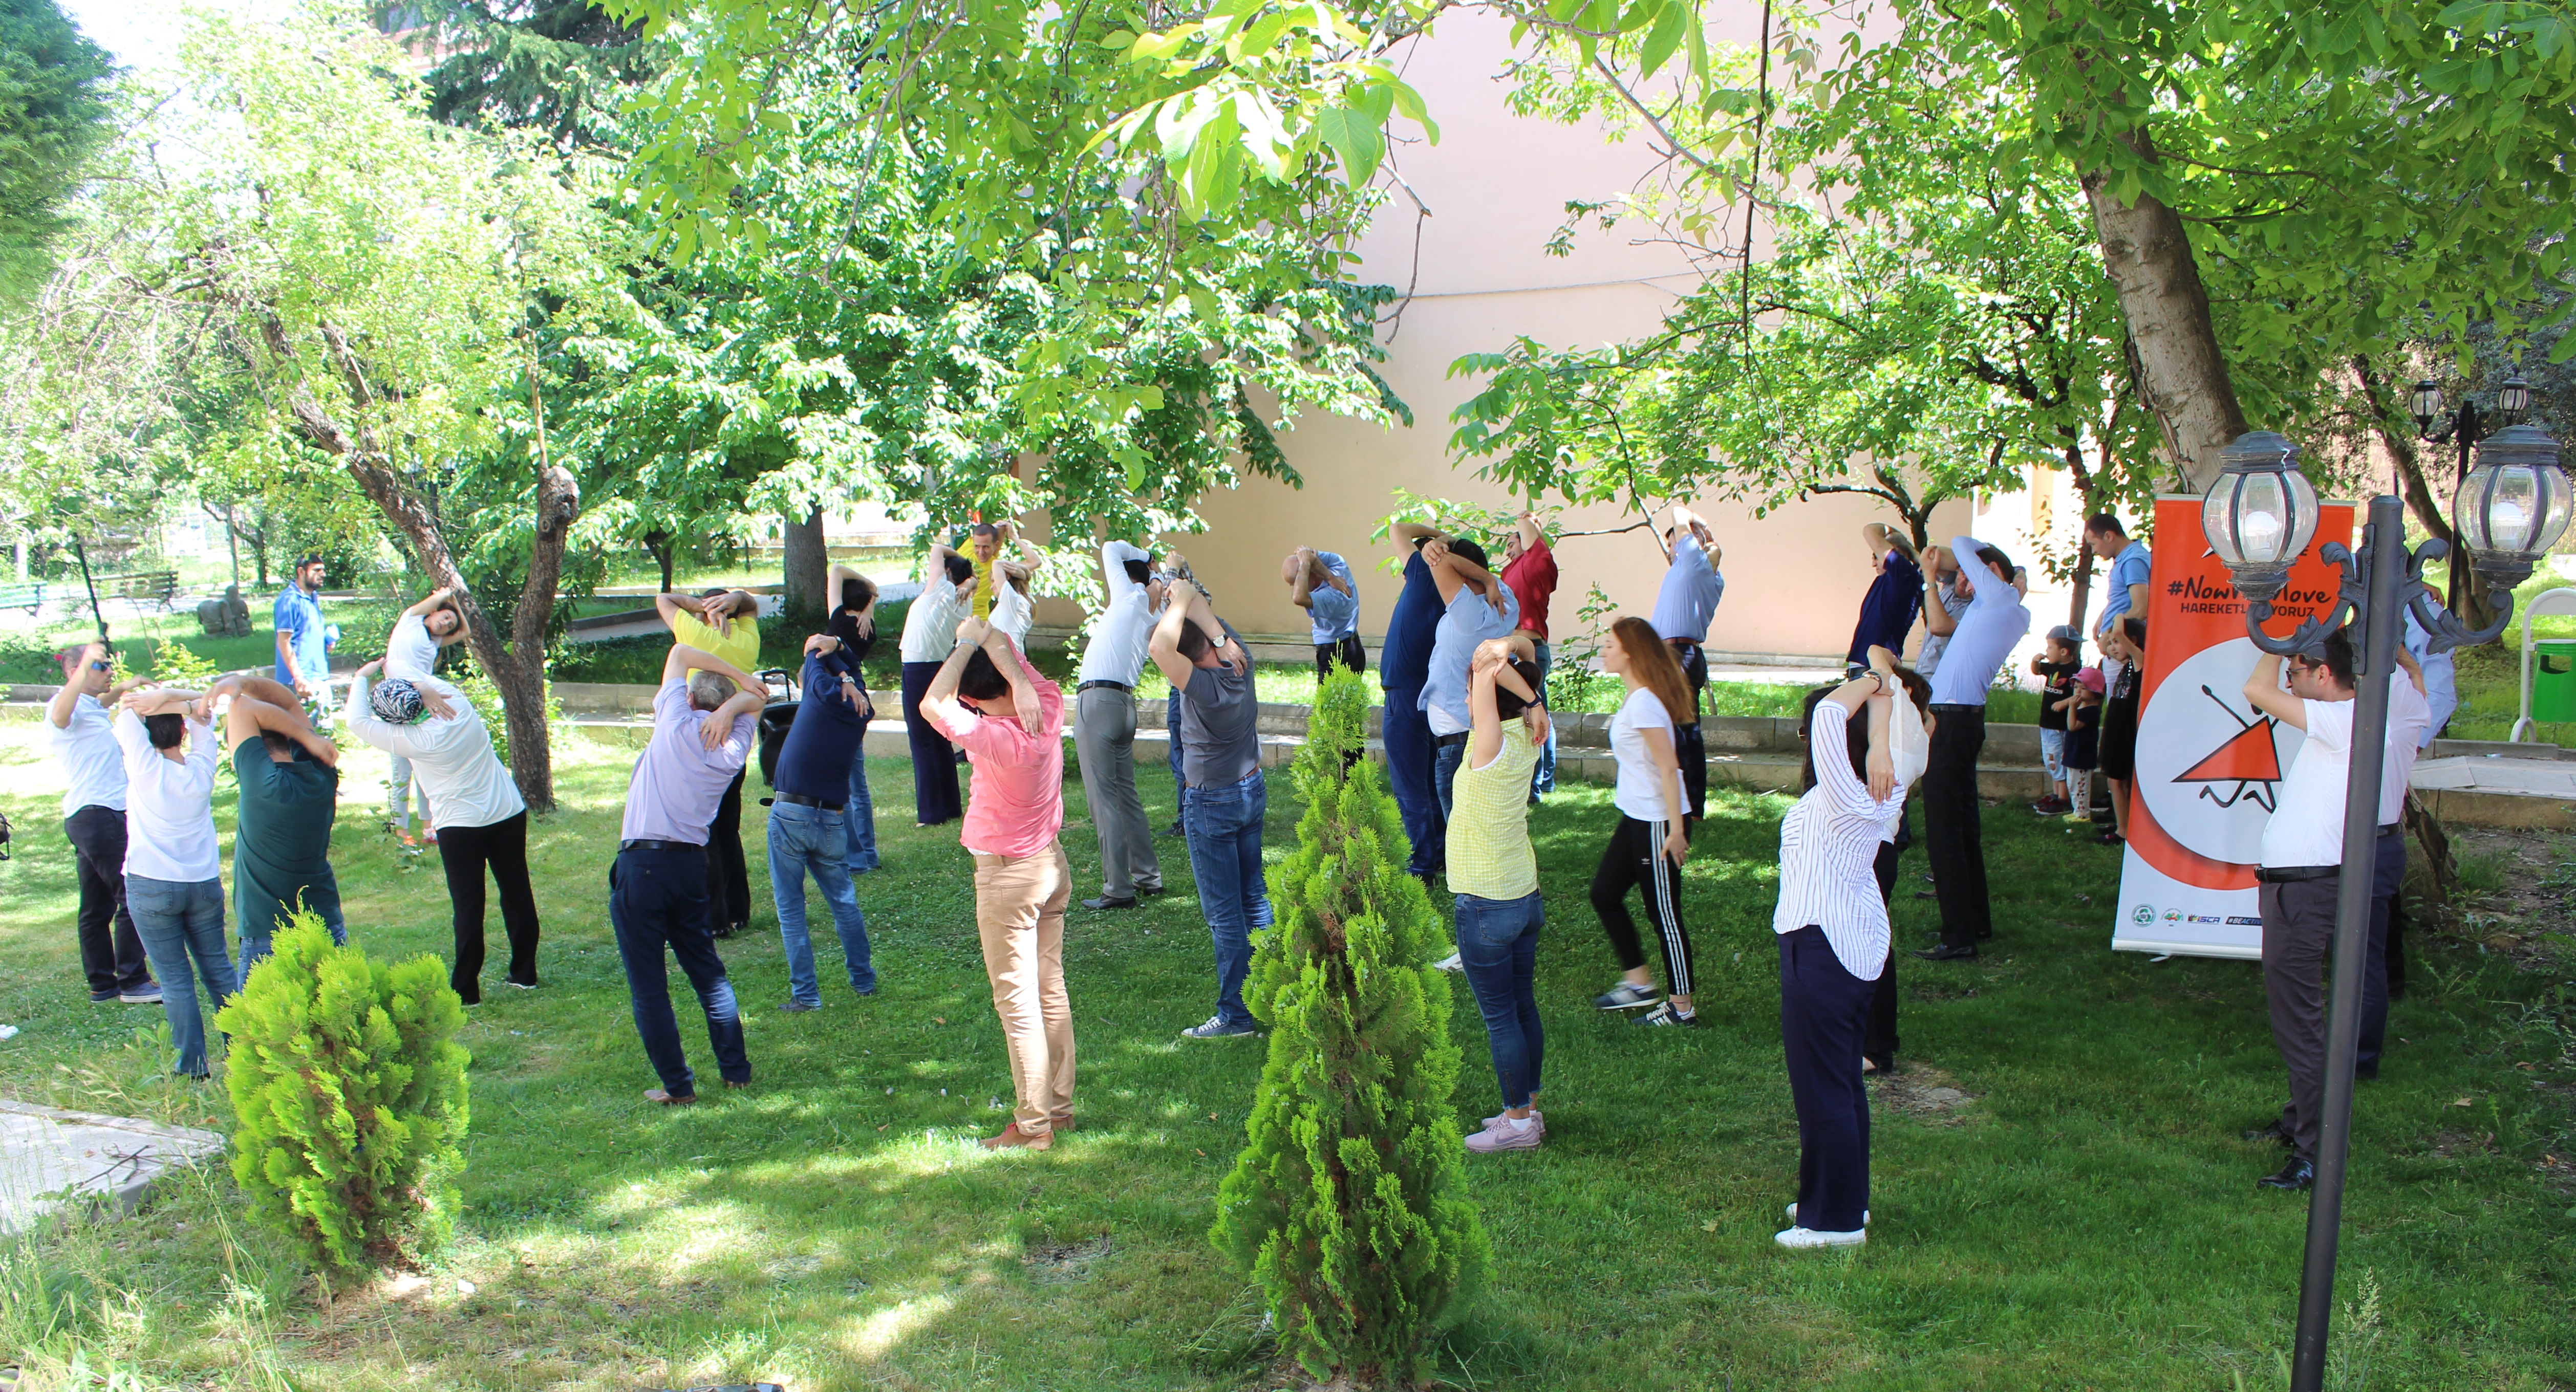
[934, 759]
[1407, 733]
[1823, 1011]
[658, 899]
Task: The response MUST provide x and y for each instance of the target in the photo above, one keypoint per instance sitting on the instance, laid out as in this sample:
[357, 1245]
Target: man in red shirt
[1530, 570]
[1013, 734]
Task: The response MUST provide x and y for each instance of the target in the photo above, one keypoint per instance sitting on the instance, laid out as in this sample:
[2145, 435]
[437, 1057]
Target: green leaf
[1670, 27]
[1355, 140]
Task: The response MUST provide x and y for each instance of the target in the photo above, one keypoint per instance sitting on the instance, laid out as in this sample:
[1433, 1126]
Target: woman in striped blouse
[1833, 932]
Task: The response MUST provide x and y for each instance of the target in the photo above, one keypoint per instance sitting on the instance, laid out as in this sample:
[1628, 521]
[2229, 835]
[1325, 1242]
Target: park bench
[154, 587]
[29, 596]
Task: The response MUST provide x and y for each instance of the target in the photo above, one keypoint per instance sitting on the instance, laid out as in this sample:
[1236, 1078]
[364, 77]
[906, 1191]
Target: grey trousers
[1104, 736]
[2298, 930]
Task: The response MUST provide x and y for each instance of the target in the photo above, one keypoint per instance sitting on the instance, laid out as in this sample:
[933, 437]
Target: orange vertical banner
[2209, 765]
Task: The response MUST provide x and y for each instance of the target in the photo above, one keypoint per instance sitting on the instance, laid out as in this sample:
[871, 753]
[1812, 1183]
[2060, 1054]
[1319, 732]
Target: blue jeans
[861, 856]
[658, 899]
[1172, 735]
[809, 840]
[1498, 943]
[1224, 826]
[177, 922]
[1445, 759]
[1543, 779]
[1407, 734]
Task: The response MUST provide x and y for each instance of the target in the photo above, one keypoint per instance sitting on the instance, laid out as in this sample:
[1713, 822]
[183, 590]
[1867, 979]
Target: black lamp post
[2258, 517]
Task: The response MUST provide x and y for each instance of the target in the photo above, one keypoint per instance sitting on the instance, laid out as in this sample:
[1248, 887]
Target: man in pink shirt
[1531, 574]
[1010, 722]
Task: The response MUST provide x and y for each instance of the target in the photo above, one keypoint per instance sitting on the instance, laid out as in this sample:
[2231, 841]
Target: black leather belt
[1978, 707]
[2297, 874]
[2392, 829]
[1684, 642]
[641, 844]
[1444, 741]
[801, 800]
[1114, 686]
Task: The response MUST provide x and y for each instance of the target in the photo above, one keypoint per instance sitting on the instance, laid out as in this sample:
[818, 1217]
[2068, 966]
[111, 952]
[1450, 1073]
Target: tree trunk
[2082, 596]
[662, 549]
[517, 668]
[2148, 257]
[808, 565]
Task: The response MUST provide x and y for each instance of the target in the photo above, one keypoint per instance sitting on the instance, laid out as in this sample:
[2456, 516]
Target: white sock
[1520, 1123]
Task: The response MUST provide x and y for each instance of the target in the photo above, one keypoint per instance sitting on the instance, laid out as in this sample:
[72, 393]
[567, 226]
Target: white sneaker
[1802, 1239]
[1535, 1115]
[1450, 963]
[1793, 1210]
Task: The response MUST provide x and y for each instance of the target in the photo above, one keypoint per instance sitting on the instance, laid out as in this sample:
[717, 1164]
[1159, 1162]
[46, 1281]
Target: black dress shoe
[2298, 1174]
[1175, 829]
[1947, 953]
[1984, 933]
[2273, 1131]
[1149, 891]
[1110, 902]
[1925, 894]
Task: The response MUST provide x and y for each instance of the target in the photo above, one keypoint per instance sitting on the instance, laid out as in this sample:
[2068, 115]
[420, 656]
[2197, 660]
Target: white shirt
[1829, 853]
[87, 747]
[2306, 826]
[1640, 793]
[930, 623]
[2409, 717]
[1996, 619]
[1012, 613]
[170, 807]
[1118, 639]
[410, 653]
[468, 786]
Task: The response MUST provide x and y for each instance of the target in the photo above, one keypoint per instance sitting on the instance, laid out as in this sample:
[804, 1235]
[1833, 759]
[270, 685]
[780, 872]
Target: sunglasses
[102, 667]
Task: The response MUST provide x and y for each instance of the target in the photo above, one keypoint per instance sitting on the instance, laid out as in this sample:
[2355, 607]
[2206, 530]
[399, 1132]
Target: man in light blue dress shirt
[1320, 583]
[1995, 620]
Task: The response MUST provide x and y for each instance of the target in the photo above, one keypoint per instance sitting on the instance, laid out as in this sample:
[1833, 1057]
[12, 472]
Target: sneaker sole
[1637, 1005]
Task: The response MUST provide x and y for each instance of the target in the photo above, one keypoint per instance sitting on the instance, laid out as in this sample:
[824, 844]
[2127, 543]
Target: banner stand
[2209, 765]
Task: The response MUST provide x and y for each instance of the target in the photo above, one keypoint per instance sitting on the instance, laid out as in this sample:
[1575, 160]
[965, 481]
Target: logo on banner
[2143, 915]
[2209, 764]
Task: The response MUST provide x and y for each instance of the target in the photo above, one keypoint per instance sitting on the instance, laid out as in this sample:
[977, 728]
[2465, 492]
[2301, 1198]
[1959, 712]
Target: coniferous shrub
[1348, 1204]
[348, 1087]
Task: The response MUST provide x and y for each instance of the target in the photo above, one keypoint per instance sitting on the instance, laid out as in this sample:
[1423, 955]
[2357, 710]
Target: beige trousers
[1019, 912]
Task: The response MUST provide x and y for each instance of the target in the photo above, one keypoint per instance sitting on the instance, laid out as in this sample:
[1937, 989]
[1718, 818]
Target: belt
[643, 844]
[1114, 686]
[1444, 741]
[800, 800]
[2392, 829]
[2297, 874]
[1683, 642]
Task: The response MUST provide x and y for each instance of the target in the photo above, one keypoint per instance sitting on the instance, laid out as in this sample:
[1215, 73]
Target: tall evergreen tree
[1348, 1203]
[563, 67]
[53, 112]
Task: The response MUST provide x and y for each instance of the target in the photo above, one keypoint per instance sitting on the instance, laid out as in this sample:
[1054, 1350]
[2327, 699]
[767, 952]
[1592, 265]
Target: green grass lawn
[2083, 1215]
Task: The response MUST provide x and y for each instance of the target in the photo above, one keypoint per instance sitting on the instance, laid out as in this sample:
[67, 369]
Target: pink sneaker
[1537, 1116]
[1511, 1135]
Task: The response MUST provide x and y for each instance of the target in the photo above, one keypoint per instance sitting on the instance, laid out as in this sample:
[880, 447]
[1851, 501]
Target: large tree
[335, 277]
[53, 112]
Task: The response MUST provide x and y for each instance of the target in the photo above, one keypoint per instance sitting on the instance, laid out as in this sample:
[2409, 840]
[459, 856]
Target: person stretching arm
[1490, 668]
[747, 699]
[89, 664]
[264, 705]
[1189, 606]
[973, 636]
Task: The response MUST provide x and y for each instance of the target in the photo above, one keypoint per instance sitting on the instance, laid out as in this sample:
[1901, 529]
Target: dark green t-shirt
[282, 841]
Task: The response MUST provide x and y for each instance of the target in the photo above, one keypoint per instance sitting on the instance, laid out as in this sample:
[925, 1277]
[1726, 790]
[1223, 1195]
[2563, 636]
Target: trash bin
[2553, 679]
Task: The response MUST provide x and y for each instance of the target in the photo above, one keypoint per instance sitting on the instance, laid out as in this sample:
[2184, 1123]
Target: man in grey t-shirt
[1222, 796]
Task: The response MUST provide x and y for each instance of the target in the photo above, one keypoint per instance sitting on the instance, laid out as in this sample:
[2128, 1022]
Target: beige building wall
[1496, 186]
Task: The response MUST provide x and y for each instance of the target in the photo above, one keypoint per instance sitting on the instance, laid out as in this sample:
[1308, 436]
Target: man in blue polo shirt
[808, 828]
[2125, 591]
[304, 640]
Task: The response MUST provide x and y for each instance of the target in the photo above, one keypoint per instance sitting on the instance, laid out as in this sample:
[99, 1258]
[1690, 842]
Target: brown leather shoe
[1012, 1136]
[732, 1084]
[1060, 1124]
[659, 1098]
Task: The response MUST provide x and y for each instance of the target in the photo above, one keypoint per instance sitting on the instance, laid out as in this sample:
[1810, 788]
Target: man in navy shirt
[1895, 596]
[1403, 668]
[808, 833]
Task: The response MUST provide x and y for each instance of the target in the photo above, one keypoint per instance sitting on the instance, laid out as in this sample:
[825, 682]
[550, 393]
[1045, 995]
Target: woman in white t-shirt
[411, 653]
[1648, 847]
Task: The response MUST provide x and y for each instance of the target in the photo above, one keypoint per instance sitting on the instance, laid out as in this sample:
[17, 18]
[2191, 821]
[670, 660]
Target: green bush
[1348, 1204]
[349, 1089]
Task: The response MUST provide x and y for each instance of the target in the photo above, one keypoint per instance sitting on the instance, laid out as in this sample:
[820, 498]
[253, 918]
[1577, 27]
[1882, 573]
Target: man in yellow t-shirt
[725, 623]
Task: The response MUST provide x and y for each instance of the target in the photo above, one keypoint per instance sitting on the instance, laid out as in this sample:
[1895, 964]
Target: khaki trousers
[1019, 913]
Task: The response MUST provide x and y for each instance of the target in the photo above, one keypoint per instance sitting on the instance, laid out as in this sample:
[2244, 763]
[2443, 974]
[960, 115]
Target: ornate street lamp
[2258, 517]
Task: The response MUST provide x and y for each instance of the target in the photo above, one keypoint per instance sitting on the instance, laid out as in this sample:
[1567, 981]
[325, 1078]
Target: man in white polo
[84, 738]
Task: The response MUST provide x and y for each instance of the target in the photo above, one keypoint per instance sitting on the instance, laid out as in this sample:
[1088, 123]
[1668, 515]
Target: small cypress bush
[1348, 1204]
[348, 1089]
